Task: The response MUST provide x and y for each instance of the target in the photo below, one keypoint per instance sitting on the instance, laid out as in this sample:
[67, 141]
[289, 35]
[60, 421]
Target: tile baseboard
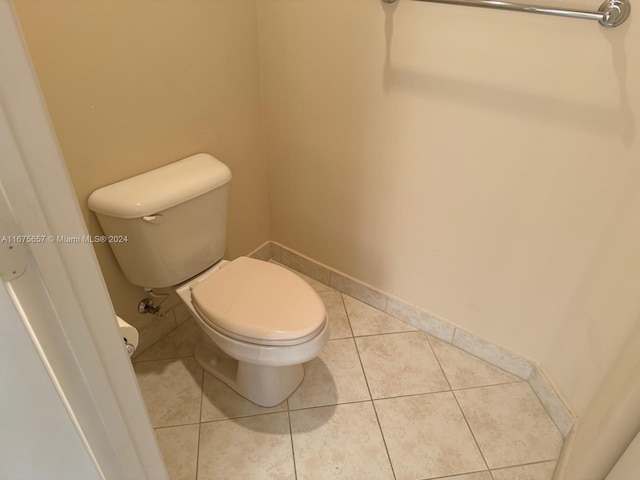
[551, 401]
[492, 353]
[420, 319]
[263, 252]
[429, 323]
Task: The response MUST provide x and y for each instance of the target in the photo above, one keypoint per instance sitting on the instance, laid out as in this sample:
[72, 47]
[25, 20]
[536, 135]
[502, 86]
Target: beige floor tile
[151, 330]
[400, 364]
[177, 343]
[251, 448]
[179, 447]
[182, 313]
[427, 436]
[338, 322]
[171, 390]
[366, 320]
[510, 424]
[339, 442]
[536, 471]
[334, 377]
[221, 402]
[464, 370]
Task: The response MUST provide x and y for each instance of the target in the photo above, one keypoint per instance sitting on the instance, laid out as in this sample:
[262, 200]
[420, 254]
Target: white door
[65, 378]
[32, 412]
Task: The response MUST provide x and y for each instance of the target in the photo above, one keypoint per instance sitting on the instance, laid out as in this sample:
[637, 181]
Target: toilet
[261, 322]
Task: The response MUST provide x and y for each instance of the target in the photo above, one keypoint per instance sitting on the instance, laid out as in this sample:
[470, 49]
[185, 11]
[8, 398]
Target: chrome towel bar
[610, 14]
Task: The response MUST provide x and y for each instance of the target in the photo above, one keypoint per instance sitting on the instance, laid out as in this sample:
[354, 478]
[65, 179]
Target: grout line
[384, 440]
[457, 475]
[346, 312]
[199, 424]
[390, 333]
[162, 359]
[489, 385]
[472, 434]
[329, 405]
[539, 462]
[355, 401]
[459, 407]
[433, 351]
[241, 418]
[407, 395]
[177, 425]
[364, 373]
[293, 452]
[340, 338]
[415, 329]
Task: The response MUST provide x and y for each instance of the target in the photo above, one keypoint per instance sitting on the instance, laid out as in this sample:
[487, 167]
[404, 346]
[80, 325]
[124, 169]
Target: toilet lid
[259, 302]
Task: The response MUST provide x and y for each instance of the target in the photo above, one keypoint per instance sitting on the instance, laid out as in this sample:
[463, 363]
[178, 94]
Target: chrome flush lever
[157, 219]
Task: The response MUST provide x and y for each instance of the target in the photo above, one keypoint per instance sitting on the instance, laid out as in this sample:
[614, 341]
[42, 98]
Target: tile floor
[383, 401]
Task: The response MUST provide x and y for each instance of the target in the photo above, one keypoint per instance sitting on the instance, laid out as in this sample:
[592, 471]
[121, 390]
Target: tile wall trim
[567, 446]
[429, 323]
[263, 252]
[551, 401]
[493, 353]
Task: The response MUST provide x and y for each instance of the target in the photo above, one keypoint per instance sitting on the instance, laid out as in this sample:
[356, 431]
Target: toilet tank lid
[162, 188]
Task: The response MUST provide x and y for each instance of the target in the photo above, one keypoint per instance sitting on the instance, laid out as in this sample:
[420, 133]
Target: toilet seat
[259, 302]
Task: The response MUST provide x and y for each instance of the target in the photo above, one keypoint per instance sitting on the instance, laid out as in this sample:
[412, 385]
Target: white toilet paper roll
[129, 334]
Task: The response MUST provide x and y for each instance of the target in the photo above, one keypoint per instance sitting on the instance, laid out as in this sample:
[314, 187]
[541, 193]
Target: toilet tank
[169, 224]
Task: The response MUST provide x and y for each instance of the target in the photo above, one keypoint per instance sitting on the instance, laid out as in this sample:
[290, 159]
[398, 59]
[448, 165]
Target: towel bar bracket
[615, 12]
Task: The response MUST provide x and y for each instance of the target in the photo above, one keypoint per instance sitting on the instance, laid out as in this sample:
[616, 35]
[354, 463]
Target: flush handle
[157, 219]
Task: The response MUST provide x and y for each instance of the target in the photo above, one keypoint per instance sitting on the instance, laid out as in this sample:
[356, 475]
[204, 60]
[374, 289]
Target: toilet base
[263, 385]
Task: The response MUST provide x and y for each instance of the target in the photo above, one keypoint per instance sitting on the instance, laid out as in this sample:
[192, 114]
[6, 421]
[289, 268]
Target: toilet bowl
[260, 323]
[260, 320]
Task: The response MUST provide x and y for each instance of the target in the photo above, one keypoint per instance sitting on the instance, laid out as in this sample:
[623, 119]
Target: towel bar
[610, 14]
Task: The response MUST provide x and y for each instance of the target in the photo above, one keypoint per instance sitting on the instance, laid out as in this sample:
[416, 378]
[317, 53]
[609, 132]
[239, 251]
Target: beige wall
[483, 165]
[134, 85]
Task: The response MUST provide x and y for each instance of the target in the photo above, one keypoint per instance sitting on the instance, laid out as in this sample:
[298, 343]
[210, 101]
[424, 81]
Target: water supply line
[146, 305]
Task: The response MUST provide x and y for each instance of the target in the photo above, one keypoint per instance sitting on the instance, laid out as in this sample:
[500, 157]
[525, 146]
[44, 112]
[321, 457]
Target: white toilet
[167, 228]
